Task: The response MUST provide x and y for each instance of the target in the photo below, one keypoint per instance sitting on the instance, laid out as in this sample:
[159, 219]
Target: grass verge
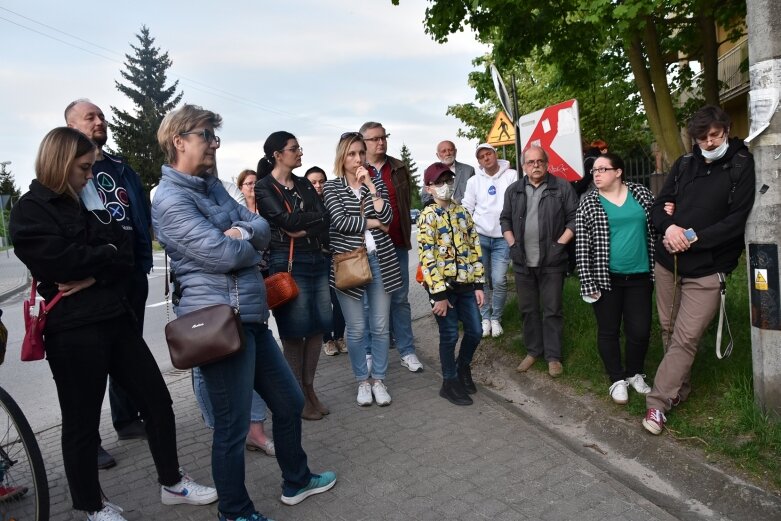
[720, 415]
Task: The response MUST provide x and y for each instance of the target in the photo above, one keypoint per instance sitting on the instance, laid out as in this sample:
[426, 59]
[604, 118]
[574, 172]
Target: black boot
[465, 377]
[453, 392]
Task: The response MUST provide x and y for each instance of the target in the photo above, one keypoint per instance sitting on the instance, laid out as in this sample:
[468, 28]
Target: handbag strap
[47, 305]
[292, 240]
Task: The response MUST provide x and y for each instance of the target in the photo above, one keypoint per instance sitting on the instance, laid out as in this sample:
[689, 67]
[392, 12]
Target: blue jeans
[358, 344]
[229, 384]
[496, 258]
[257, 411]
[310, 312]
[464, 309]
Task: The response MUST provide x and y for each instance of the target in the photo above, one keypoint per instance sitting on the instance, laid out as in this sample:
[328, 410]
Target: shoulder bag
[281, 287]
[206, 335]
[351, 268]
[32, 346]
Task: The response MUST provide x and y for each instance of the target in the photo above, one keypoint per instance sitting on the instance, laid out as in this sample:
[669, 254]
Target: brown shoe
[525, 364]
[555, 369]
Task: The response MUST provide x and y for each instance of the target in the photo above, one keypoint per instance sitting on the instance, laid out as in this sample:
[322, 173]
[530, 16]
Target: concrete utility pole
[763, 230]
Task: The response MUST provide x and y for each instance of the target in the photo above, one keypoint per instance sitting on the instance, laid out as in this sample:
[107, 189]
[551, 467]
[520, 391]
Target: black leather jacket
[309, 214]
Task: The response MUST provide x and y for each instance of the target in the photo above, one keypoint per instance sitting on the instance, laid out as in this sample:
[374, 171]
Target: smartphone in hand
[690, 235]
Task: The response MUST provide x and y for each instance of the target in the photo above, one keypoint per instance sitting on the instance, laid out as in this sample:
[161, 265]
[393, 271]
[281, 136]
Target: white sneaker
[638, 384]
[364, 394]
[110, 512]
[496, 329]
[412, 363]
[380, 392]
[369, 364]
[618, 392]
[187, 492]
[486, 328]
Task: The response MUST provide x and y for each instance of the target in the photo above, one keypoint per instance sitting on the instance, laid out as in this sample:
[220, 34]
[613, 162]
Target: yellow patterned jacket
[449, 250]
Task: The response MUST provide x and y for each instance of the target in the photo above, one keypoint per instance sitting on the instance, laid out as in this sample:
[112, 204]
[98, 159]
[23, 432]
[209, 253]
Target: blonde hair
[345, 142]
[58, 151]
[181, 120]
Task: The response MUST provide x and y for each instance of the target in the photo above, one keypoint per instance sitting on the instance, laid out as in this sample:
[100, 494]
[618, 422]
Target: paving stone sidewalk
[420, 458]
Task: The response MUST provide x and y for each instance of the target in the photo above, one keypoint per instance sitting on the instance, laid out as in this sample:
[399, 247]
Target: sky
[316, 68]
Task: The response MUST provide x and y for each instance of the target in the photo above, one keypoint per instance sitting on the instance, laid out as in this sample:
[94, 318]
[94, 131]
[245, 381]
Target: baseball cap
[434, 171]
[482, 146]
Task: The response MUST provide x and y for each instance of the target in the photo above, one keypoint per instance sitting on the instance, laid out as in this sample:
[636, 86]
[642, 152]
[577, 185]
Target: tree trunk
[673, 144]
[709, 58]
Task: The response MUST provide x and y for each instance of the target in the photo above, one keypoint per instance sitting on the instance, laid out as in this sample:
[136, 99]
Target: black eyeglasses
[350, 135]
[711, 137]
[535, 162]
[601, 170]
[378, 138]
[448, 181]
[207, 135]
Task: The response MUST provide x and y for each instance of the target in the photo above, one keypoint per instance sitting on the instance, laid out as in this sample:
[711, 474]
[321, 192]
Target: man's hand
[74, 286]
[480, 297]
[440, 307]
[674, 239]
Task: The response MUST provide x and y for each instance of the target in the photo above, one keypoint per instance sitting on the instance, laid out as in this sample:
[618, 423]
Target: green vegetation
[720, 416]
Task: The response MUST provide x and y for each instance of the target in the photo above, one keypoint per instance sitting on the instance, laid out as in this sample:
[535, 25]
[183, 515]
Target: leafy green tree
[8, 186]
[587, 39]
[406, 158]
[136, 133]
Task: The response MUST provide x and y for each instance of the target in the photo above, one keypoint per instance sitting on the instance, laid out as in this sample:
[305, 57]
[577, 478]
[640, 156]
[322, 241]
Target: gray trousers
[540, 303]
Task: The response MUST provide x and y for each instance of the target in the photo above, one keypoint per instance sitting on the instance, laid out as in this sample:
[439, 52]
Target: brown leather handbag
[206, 335]
[351, 268]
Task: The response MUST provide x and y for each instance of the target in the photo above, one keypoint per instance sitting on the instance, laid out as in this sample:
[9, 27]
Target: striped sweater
[348, 227]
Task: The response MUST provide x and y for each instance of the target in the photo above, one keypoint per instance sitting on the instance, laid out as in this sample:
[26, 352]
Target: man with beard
[119, 189]
[446, 153]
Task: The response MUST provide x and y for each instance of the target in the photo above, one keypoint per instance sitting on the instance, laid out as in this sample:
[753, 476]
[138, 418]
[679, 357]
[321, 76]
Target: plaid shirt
[592, 239]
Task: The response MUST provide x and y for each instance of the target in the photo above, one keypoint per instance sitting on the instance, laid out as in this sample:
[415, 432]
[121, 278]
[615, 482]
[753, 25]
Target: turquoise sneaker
[257, 516]
[318, 483]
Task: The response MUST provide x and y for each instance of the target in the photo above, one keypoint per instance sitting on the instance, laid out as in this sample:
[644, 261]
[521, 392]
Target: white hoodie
[484, 197]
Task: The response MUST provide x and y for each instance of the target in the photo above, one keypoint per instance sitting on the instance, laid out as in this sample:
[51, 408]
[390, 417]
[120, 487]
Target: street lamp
[4, 243]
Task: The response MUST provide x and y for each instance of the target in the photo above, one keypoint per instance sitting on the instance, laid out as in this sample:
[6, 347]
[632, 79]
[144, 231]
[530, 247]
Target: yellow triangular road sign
[502, 132]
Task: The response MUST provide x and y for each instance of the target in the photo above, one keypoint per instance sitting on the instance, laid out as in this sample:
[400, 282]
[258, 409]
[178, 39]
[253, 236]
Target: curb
[678, 478]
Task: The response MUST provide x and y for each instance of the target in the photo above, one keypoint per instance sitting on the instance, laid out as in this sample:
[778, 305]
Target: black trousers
[80, 360]
[628, 302]
[123, 410]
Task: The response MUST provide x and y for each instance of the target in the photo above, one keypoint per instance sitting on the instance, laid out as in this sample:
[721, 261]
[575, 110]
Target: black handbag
[206, 335]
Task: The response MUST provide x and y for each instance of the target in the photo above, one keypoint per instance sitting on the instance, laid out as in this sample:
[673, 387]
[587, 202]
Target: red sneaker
[9, 493]
[654, 421]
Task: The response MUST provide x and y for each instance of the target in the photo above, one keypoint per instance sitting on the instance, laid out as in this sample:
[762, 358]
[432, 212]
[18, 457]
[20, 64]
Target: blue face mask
[90, 198]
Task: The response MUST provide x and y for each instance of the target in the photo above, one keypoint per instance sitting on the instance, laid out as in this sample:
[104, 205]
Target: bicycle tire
[23, 482]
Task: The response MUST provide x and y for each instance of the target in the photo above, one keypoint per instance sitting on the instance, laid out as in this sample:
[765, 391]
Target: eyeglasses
[711, 137]
[207, 135]
[378, 138]
[535, 162]
[295, 150]
[251, 183]
[449, 181]
[349, 135]
[601, 170]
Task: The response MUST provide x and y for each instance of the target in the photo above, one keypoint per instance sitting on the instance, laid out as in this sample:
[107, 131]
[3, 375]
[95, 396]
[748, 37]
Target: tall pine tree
[8, 186]
[406, 158]
[136, 134]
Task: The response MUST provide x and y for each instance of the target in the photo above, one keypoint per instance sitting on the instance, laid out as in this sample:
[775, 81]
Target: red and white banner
[557, 130]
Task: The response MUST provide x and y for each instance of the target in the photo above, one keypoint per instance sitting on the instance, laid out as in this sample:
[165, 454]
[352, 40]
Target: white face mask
[444, 192]
[716, 153]
[89, 196]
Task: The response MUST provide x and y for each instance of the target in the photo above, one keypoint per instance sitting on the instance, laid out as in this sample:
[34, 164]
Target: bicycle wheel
[24, 490]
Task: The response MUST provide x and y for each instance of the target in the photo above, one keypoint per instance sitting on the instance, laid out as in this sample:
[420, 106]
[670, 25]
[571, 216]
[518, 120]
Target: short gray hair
[368, 126]
[72, 104]
[535, 147]
[180, 120]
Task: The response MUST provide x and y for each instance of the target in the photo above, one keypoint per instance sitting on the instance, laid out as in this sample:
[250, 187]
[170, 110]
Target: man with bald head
[119, 189]
[446, 153]
[538, 221]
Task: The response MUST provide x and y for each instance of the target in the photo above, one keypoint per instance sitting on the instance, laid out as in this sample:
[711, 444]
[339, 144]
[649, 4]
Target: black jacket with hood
[714, 199]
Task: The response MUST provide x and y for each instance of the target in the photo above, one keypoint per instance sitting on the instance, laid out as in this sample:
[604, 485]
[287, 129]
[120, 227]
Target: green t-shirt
[628, 236]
